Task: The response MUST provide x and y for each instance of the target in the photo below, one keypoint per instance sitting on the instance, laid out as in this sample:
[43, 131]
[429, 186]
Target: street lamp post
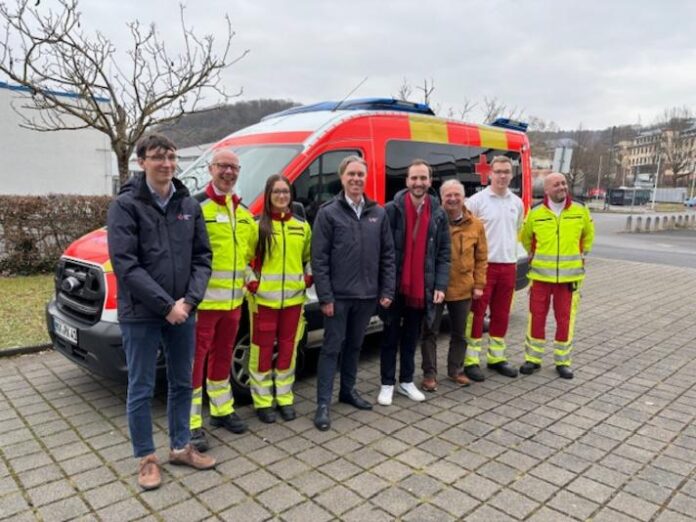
[657, 179]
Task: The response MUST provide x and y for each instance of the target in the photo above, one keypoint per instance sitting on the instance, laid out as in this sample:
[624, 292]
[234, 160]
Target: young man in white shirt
[502, 213]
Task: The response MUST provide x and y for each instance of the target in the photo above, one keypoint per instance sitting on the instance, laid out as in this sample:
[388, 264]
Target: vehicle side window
[319, 182]
[448, 161]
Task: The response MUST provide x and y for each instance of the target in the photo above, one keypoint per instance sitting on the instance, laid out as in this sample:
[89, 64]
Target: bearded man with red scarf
[422, 245]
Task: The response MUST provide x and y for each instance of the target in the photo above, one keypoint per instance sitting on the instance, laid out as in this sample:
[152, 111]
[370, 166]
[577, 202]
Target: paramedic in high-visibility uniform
[281, 274]
[232, 232]
[557, 233]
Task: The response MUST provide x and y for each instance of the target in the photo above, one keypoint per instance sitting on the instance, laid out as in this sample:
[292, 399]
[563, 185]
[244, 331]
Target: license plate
[65, 331]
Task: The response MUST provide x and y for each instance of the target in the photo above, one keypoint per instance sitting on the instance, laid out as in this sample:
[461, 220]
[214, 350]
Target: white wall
[61, 162]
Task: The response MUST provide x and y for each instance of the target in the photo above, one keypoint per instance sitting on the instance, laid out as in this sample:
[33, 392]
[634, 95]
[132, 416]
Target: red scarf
[415, 242]
[221, 200]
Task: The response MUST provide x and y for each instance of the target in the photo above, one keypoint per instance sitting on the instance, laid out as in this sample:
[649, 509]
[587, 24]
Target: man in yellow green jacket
[232, 232]
[557, 234]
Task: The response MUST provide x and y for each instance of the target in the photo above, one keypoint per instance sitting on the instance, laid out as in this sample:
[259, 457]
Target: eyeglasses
[280, 192]
[228, 166]
[161, 158]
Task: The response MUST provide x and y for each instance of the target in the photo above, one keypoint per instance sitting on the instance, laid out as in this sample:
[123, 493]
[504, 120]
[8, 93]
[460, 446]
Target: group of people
[185, 269]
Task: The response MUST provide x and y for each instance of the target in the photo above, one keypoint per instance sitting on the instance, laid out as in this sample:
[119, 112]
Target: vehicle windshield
[257, 161]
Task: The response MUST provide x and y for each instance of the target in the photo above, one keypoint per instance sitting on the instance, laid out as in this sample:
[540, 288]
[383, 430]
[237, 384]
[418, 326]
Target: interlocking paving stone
[634, 506]
[616, 443]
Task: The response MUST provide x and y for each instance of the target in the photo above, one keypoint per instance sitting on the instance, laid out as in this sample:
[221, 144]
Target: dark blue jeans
[141, 342]
[343, 335]
[401, 334]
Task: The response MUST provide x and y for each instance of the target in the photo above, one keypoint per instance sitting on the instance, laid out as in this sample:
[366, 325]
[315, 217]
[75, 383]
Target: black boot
[321, 417]
[565, 372]
[504, 368]
[266, 415]
[529, 368]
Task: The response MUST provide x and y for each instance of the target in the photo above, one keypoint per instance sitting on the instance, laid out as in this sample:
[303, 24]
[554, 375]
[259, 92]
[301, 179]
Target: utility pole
[657, 179]
[599, 176]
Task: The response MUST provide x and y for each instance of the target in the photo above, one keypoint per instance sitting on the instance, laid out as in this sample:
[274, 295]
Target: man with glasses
[161, 256]
[502, 213]
[232, 232]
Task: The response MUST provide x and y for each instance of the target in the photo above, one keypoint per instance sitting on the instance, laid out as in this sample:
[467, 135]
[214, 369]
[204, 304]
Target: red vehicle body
[306, 144]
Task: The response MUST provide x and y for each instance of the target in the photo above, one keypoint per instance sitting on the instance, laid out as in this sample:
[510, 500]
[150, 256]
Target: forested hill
[213, 124]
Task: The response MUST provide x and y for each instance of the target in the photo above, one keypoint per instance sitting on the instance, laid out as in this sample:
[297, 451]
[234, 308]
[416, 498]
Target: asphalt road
[669, 247]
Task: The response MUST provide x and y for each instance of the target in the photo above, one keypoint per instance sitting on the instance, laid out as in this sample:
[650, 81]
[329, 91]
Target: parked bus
[305, 144]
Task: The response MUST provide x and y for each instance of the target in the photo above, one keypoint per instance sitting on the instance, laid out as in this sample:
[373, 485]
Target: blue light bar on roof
[364, 104]
[507, 123]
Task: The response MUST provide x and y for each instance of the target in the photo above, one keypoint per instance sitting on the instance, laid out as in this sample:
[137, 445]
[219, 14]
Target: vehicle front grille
[79, 290]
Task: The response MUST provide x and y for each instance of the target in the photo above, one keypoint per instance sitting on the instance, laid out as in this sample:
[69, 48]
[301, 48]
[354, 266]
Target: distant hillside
[213, 124]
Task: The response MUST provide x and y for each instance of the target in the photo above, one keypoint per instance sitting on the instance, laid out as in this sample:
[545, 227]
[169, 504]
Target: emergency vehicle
[306, 144]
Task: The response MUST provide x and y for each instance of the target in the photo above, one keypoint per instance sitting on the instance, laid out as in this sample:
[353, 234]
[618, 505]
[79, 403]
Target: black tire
[239, 369]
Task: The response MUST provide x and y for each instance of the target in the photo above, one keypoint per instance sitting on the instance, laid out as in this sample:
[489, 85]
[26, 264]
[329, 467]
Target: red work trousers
[498, 293]
[271, 324]
[540, 296]
[216, 332]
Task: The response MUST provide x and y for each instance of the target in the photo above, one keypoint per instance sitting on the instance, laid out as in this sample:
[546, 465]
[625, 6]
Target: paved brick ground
[616, 443]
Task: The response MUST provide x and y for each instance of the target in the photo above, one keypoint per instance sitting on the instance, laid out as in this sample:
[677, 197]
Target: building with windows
[57, 162]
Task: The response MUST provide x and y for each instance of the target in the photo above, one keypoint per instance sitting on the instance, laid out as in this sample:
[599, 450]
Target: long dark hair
[265, 242]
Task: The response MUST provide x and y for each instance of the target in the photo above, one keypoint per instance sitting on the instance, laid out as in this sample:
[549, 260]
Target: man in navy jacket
[353, 267]
[161, 256]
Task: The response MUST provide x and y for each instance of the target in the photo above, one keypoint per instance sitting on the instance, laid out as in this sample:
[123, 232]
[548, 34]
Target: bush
[36, 229]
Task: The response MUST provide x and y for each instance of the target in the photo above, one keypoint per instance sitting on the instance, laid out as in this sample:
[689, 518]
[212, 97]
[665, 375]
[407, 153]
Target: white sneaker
[411, 391]
[386, 392]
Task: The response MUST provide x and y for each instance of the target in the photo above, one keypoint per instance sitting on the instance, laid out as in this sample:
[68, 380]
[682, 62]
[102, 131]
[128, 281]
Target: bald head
[224, 169]
[556, 187]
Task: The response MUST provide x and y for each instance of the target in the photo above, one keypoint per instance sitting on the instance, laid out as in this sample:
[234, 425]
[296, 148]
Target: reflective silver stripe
[261, 390]
[552, 272]
[284, 375]
[283, 389]
[220, 400]
[223, 294]
[214, 386]
[545, 257]
[308, 269]
[280, 277]
[561, 358]
[496, 353]
[534, 345]
[225, 274]
[196, 409]
[197, 394]
[279, 294]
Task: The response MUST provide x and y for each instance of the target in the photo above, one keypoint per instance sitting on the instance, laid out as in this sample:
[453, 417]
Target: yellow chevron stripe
[493, 138]
[428, 129]
[107, 266]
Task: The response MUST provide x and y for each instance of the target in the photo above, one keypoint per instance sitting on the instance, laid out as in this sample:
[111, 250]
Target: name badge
[222, 218]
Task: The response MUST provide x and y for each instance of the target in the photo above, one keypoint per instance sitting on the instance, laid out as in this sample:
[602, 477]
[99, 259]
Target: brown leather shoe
[429, 384]
[460, 379]
[191, 457]
[149, 472]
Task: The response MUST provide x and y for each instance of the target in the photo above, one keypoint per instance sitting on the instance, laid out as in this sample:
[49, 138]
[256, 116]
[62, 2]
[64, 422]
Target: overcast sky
[595, 63]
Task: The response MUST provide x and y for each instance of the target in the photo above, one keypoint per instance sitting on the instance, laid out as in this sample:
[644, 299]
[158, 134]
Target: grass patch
[22, 302]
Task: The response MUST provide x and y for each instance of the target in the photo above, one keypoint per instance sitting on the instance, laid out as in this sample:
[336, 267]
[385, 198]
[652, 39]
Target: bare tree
[427, 90]
[405, 91]
[48, 52]
[677, 148]
[493, 109]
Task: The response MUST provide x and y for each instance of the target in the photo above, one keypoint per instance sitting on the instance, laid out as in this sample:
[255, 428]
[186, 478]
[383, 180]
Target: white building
[60, 162]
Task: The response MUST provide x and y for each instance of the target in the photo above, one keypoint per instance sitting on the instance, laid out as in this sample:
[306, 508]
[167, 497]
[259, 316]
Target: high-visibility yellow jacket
[557, 244]
[232, 232]
[281, 281]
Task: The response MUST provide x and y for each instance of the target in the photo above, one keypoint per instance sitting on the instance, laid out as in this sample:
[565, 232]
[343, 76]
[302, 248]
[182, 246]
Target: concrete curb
[24, 350]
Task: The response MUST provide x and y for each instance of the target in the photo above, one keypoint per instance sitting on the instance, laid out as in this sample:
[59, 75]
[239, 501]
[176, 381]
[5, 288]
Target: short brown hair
[418, 161]
[153, 141]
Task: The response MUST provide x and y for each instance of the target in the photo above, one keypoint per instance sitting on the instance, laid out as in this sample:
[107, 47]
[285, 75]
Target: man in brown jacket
[469, 260]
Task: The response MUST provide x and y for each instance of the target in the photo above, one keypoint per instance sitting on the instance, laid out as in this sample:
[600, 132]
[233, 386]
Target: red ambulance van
[306, 144]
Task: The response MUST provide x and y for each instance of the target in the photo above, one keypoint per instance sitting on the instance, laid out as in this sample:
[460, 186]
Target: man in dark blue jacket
[422, 245]
[353, 267]
[161, 256]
